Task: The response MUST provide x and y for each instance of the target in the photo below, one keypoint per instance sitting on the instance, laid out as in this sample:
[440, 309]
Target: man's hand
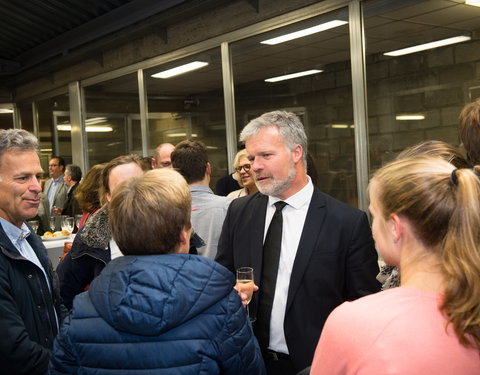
[242, 293]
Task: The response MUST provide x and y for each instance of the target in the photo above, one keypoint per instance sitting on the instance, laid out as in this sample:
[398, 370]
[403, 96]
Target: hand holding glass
[246, 285]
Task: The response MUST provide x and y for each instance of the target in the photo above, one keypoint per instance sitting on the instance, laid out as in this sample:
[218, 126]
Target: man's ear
[184, 241]
[297, 153]
[208, 170]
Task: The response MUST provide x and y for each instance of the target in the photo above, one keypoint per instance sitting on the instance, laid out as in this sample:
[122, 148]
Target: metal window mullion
[359, 92]
[229, 100]
[142, 96]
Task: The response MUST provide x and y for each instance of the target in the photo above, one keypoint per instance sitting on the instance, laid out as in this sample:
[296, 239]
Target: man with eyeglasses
[208, 210]
[162, 156]
[54, 193]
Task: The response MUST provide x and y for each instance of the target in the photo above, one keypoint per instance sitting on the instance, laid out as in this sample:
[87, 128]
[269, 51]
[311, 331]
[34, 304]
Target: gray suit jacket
[59, 200]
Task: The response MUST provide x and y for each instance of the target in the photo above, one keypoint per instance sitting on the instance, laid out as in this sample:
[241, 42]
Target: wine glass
[52, 222]
[67, 223]
[78, 218]
[34, 225]
[245, 285]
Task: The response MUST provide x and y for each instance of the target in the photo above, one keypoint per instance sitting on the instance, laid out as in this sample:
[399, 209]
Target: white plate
[54, 238]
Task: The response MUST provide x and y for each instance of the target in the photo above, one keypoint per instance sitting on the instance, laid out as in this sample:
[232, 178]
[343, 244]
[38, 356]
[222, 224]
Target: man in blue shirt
[29, 298]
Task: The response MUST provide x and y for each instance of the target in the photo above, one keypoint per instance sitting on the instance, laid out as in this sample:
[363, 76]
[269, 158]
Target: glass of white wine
[34, 225]
[245, 285]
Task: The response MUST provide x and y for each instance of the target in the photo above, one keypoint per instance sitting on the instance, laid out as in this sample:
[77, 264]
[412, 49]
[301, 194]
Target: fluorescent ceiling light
[6, 110]
[340, 126]
[410, 117]
[304, 32]
[175, 135]
[293, 75]
[180, 69]
[46, 149]
[475, 3]
[88, 128]
[95, 120]
[423, 47]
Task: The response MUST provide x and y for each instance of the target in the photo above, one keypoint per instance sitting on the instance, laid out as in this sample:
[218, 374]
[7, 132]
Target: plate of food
[60, 235]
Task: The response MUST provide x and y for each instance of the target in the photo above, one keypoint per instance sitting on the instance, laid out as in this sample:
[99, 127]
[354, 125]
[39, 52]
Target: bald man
[162, 156]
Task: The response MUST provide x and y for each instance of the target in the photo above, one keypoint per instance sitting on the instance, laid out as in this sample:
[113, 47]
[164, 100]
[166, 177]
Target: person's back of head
[148, 214]
[87, 193]
[442, 205]
[436, 149]
[74, 171]
[191, 160]
[469, 129]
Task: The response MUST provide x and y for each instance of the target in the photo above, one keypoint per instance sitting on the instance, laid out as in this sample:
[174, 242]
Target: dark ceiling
[38, 36]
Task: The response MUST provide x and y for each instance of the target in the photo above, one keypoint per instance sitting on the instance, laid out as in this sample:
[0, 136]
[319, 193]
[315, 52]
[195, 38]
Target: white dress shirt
[294, 214]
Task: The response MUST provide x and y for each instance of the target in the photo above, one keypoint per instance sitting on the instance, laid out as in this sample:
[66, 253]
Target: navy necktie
[271, 257]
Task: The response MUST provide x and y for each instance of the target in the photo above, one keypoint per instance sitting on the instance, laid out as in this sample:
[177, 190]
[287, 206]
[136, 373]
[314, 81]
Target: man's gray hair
[17, 139]
[288, 124]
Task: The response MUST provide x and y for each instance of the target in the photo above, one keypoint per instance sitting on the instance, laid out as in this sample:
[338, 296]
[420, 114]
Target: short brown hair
[119, 160]
[87, 193]
[147, 214]
[469, 129]
[190, 159]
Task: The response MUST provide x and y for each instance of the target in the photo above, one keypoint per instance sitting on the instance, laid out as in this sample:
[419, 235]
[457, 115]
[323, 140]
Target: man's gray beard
[278, 186]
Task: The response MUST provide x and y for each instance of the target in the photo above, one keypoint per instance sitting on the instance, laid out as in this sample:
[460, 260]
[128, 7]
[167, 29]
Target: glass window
[110, 107]
[418, 96]
[51, 130]
[189, 106]
[6, 116]
[322, 99]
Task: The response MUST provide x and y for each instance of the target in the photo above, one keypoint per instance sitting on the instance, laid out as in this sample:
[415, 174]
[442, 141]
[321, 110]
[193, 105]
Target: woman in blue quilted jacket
[157, 310]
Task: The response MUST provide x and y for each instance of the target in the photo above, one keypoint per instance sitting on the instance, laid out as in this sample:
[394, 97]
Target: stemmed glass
[245, 285]
[78, 218]
[67, 223]
[34, 225]
[52, 222]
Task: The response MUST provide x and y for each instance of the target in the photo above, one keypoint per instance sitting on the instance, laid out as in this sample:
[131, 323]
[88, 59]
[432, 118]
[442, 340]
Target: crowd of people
[149, 284]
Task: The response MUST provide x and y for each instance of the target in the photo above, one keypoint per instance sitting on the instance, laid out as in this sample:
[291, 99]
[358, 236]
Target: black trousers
[278, 364]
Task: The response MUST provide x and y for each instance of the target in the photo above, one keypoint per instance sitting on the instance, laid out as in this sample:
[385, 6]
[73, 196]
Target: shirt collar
[13, 232]
[200, 188]
[298, 199]
[58, 179]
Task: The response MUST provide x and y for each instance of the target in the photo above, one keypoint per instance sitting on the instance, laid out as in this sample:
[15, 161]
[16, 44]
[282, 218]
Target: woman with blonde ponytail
[426, 220]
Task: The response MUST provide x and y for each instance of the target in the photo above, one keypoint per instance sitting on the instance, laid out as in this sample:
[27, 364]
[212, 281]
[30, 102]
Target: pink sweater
[397, 331]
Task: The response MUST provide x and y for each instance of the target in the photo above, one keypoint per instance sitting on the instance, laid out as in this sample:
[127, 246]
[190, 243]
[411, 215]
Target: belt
[270, 355]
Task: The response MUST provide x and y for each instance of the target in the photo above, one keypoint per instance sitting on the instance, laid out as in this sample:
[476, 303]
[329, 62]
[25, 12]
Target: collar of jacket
[96, 232]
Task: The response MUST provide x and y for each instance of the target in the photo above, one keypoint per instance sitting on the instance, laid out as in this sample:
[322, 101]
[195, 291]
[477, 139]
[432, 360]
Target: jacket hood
[151, 294]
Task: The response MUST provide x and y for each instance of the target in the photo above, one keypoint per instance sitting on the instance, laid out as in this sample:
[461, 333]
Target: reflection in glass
[189, 106]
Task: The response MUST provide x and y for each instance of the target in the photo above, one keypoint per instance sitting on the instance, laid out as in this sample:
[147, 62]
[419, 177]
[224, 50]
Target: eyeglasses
[53, 165]
[245, 167]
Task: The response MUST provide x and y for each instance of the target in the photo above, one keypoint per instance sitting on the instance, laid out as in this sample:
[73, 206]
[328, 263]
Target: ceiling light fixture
[410, 117]
[304, 32]
[293, 75]
[431, 45]
[180, 69]
[177, 135]
[6, 110]
[88, 128]
[475, 3]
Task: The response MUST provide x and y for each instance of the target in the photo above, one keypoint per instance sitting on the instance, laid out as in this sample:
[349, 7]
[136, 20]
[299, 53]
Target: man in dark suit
[326, 253]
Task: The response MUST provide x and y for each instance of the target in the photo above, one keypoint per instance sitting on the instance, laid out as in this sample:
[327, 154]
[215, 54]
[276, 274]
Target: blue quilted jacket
[158, 314]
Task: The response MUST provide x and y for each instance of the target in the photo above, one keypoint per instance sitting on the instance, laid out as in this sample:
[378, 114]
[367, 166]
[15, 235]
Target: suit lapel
[308, 241]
